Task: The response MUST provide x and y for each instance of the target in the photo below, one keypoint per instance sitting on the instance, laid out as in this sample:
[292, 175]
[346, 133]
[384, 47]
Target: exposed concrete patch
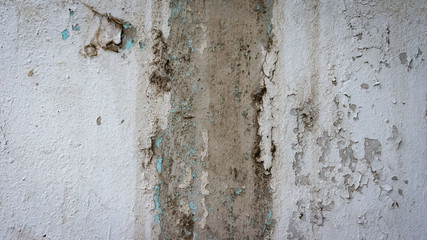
[212, 67]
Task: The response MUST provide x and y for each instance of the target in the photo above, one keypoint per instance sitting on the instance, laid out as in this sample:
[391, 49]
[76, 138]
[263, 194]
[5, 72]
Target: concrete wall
[213, 120]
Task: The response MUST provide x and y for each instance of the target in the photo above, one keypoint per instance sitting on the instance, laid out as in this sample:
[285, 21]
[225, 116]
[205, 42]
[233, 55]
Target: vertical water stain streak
[211, 185]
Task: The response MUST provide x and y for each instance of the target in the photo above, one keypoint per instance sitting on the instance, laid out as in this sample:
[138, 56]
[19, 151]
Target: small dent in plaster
[98, 121]
[31, 73]
[364, 86]
[403, 58]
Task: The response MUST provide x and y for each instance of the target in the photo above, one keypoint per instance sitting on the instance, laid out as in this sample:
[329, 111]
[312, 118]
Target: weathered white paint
[351, 43]
[62, 175]
[66, 177]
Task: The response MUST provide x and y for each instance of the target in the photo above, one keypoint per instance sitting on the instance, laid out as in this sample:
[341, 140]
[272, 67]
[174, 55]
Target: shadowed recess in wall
[211, 183]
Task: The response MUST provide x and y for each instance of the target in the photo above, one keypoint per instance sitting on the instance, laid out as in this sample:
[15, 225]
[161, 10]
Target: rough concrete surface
[186, 119]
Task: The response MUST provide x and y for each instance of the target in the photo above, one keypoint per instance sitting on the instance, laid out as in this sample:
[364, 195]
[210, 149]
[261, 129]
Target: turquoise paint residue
[127, 25]
[267, 220]
[75, 27]
[159, 142]
[156, 219]
[269, 18]
[228, 203]
[210, 209]
[71, 11]
[190, 44]
[252, 223]
[194, 89]
[193, 207]
[159, 164]
[190, 71]
[190, 152]
[129, 44]
[188, 233]
[238, 191]
[156, 197]
[141, 45]
[65, 34]
[157, 203]
[178, 9]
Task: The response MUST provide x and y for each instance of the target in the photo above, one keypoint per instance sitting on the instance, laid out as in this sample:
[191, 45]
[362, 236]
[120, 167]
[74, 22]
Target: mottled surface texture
[186, 119]
[210, 182]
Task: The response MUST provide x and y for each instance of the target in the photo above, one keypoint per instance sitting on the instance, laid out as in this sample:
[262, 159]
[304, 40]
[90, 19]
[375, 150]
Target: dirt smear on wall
[211, 184]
